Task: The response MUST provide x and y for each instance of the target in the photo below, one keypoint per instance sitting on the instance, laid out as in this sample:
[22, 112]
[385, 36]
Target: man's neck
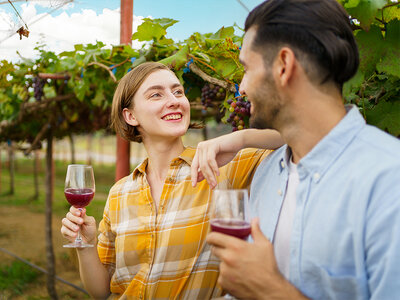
[310, 121]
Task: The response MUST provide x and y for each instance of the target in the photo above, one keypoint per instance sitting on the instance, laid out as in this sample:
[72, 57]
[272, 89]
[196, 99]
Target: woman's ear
[129, 117]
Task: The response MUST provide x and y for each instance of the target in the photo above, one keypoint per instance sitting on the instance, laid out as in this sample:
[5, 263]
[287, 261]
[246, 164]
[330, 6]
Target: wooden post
[11, 166]
[123, 146]
[89, 149]
[72, 145]
[0, 168]
[51, 289]
[36, 162]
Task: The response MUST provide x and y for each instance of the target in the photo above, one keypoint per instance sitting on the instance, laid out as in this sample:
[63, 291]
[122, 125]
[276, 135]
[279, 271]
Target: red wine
[79, 197]
[237, 228]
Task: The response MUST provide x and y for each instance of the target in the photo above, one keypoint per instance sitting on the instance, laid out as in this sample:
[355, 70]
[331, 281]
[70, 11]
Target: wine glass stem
[78, 238]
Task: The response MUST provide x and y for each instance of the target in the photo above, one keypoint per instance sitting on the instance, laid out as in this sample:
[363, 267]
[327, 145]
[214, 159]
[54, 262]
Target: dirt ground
[22, 232]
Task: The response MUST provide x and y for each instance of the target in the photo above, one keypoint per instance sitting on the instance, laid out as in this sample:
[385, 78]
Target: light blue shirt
[345, 241]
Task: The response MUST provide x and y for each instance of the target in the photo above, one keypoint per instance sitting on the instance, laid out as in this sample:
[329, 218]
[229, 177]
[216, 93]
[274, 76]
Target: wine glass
[230, 213]
[79, 191]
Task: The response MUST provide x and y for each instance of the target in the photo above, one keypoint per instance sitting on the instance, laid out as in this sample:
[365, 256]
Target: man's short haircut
[319, 31]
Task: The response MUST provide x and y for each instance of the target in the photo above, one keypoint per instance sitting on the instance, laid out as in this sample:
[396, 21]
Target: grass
[24, 187]
[15, 278]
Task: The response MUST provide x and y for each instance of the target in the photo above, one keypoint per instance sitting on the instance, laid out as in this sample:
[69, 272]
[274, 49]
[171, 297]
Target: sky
[87, 21]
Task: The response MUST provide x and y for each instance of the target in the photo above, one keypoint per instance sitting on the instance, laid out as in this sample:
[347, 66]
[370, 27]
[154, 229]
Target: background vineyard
[68, 94]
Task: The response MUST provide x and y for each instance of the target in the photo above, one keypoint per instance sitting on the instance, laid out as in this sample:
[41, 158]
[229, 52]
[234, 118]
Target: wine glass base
[78, 245]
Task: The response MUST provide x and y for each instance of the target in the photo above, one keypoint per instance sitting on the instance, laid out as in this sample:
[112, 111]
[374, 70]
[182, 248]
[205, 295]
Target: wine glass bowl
[230, 213]
[79, 191]
[79, 198]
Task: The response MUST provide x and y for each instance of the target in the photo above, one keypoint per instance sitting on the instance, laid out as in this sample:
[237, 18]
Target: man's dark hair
[317, 30]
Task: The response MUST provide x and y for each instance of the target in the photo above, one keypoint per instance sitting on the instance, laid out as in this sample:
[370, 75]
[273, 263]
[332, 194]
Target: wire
[41, 17]
[244, 6]
[16, 11]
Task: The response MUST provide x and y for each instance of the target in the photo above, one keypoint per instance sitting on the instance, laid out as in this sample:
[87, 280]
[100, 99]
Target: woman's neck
[160, 156]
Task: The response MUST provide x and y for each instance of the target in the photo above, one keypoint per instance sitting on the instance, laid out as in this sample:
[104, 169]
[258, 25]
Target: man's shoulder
[378, 145]
[271, 163]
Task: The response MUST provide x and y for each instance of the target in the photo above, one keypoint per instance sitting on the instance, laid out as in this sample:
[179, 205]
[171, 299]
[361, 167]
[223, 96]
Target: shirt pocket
[334, 285]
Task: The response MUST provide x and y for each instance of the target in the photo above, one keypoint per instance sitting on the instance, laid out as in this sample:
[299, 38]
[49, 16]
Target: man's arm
[249, 270]
[217, 152]
[382, 236]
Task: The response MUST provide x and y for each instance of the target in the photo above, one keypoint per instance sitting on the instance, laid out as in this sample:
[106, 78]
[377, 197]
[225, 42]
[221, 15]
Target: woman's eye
[155, 95]
[178, 92]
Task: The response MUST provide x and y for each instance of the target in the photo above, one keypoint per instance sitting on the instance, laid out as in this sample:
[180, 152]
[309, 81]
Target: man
[329, 224]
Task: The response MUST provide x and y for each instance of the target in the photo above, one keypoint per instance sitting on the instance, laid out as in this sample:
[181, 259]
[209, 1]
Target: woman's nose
[173, 100]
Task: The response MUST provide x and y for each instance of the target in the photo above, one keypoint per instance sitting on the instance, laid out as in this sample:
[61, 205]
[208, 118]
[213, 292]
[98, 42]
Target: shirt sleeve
[241, 169]
[106, 240]
[382, 237]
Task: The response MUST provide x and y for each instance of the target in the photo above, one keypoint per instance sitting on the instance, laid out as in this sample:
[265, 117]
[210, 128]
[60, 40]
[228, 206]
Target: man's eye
[155, 95]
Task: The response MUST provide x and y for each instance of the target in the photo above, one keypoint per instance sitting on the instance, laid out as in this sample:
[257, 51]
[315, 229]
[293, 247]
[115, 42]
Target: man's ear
[129, 117]
[284, 66]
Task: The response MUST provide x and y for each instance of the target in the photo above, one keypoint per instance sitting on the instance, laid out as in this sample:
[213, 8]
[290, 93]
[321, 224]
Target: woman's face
[161, 109]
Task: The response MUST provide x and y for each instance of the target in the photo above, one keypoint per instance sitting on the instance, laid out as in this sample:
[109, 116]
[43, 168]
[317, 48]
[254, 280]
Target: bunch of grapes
[38, 84]
[239, 110]
[211, 92]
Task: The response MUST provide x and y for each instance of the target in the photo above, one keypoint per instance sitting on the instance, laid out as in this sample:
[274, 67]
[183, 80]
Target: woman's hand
[75, 220]
[210, 156]
[213, 154]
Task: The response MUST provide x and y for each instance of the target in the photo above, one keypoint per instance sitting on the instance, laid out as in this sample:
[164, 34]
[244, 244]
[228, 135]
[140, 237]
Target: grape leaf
[352, 3]
[353, 84]
[148, 31]
[178, 60]
[391, 60]
[366, 11]
[371, 47]
[385, 115]
[391, 13]
[223, 33]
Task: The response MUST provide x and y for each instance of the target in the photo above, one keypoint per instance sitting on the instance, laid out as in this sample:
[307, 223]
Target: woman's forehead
[161, 78]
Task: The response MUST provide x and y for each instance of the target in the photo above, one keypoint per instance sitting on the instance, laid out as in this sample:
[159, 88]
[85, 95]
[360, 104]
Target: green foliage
[94, 69]
[15, 278]
[375, 88]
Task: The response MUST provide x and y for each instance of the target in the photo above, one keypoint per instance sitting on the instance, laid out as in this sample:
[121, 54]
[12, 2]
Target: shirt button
[317, 176]
[282, 164]
[280, 192]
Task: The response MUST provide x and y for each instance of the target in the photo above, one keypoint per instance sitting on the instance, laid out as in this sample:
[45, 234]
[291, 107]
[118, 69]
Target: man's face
[258, 84]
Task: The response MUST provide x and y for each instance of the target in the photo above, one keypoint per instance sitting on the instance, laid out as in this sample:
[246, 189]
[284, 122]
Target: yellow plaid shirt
[164, 255]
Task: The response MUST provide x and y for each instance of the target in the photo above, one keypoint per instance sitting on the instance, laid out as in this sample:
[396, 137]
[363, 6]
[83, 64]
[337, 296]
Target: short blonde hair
[123, 98]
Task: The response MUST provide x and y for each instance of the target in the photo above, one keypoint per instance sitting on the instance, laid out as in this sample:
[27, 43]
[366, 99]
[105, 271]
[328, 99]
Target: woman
[152, 236]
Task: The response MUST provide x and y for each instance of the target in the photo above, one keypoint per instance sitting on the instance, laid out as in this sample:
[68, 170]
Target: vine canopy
[78, 85]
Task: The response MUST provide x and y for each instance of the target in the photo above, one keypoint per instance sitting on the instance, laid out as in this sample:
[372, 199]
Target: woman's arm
[217, 152]
[94, 275]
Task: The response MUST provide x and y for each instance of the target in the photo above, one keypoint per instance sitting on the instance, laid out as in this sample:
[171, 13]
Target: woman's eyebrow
[160, 87]
[154, 87]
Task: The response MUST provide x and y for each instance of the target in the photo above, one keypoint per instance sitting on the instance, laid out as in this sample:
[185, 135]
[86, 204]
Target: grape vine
[38, 85]
[207, 65]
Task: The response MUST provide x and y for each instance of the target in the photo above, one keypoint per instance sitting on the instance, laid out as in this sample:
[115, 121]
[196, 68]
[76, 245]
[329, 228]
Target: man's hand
[249, 270]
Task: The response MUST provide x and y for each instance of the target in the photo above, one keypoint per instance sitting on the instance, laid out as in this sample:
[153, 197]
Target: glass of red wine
[79, 191]
[230, 213]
